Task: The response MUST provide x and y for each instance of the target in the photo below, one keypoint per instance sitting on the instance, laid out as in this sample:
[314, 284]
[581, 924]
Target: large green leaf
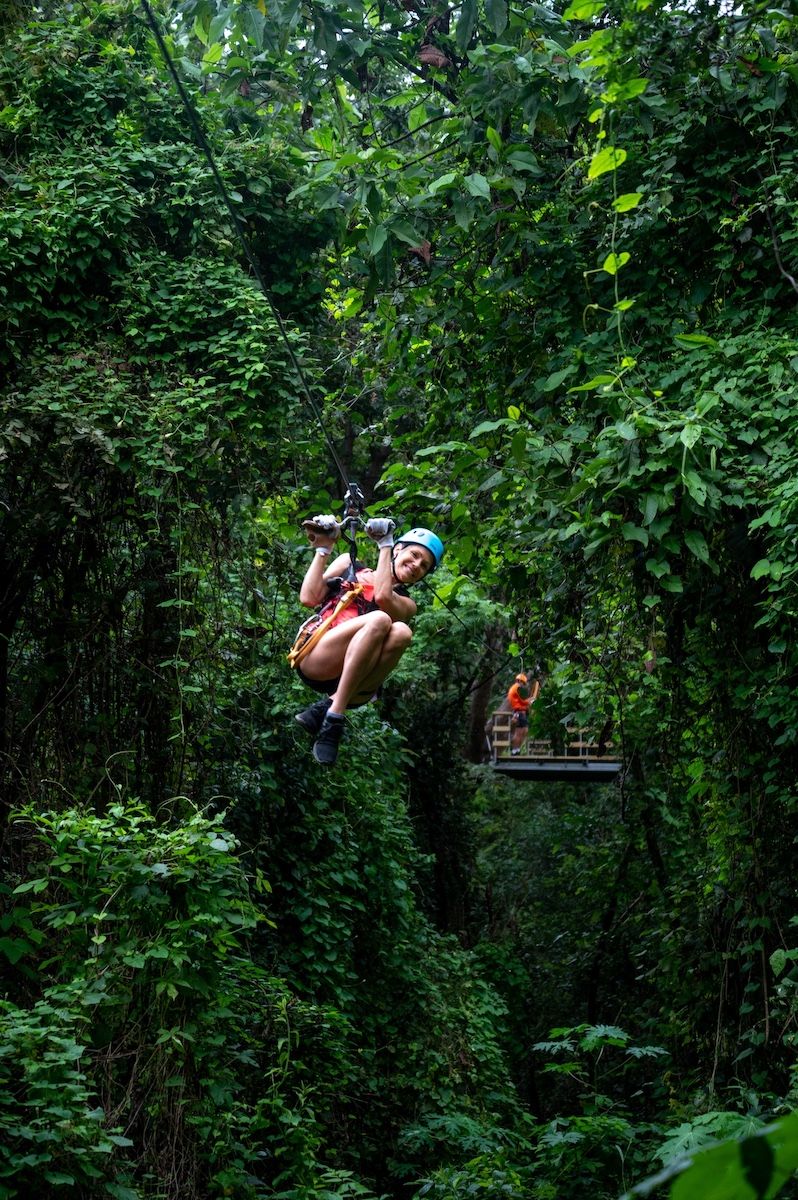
[496, 13]
[754, 1168]
[466, 23]
[608, 158]
[478, 185]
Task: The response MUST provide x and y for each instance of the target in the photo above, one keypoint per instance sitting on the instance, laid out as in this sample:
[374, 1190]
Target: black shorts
[328, 687]
[520, 720]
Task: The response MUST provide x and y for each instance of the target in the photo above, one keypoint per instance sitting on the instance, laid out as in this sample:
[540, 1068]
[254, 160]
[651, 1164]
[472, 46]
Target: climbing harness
[310, 633]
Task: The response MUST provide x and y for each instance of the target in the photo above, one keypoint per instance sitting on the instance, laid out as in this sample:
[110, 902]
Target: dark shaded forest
[528, 273]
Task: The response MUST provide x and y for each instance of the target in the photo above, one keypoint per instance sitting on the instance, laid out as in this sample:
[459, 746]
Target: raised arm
[322, 532]
[398, 607]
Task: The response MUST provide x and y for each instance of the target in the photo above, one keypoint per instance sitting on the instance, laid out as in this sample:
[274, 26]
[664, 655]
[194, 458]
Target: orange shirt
[518, 703]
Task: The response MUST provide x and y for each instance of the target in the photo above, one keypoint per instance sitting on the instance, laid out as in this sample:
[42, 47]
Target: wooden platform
[580, 762]
[562, 770]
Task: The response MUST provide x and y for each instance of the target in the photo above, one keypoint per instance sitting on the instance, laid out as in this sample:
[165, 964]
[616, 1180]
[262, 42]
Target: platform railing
[579, 743]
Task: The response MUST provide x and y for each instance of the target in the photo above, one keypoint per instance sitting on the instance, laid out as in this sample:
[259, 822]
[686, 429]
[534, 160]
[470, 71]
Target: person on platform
[520, 698]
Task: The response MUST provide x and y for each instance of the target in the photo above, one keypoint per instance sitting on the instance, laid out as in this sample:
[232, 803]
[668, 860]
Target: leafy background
[537, 266]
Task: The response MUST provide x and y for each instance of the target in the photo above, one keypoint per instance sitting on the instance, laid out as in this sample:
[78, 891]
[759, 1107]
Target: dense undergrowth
[228, 973]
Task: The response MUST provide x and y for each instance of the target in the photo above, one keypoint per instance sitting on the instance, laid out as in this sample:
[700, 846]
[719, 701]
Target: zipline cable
[491, 650]
[204, 146]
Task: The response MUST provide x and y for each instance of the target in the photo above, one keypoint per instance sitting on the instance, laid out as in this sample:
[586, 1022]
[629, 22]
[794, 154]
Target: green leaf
[212, 55]
[583, 10]
[524, 160]
[406, 233]
[376, 236]
[477, 185]
[219, 24]
[695, 486]
[416, 117]
[597, 381]
[496, 14]
[672, 583]
[778, 961]
[463, 212]
[696, 543]
[691, 341]
[607, 159]
[494, 137]
[553, 381]
[444, 181]
[616, 93]
[489, 427]
[754, 1168]
[119, 1192]
[14, 948]
[466, 24]
[633, 533]
[627, 201]
[253, 23]
[613, 262]
[690, 434]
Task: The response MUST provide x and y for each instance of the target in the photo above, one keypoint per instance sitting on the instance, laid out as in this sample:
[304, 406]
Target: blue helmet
[426, 538]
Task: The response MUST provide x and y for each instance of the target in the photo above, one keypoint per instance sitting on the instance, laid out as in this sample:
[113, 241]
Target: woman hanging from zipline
[368, 633]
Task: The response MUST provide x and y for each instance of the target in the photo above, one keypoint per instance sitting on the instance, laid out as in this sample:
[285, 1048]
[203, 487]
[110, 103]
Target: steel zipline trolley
[583, 760]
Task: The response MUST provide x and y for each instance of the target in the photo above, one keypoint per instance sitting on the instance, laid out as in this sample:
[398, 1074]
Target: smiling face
[412, 563]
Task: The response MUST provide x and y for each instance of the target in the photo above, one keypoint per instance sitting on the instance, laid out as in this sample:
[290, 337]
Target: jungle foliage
[537, 263]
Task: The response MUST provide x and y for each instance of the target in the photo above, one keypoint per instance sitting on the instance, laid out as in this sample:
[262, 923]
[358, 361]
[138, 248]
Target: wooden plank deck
[558, 770]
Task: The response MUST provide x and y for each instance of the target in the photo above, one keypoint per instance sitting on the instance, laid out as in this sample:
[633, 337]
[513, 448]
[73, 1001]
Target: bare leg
[361, 656]
[326, 659]
[394, 646]
[360, 653]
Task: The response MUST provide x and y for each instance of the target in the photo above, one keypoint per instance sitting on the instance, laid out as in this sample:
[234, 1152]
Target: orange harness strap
[306, 639]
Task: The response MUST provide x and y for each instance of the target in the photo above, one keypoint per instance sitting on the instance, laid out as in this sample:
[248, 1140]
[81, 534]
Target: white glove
[324, 527]
[380, 530]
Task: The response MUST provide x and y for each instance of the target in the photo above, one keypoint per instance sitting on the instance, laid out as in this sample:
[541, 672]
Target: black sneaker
[312, 718]
[325, 747]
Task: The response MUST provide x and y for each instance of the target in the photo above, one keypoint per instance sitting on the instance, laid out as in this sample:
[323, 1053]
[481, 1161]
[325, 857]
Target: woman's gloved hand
[322, 530]
[381, 530]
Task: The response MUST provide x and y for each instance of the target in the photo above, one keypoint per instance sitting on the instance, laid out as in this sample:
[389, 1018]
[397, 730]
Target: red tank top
[364, 603]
